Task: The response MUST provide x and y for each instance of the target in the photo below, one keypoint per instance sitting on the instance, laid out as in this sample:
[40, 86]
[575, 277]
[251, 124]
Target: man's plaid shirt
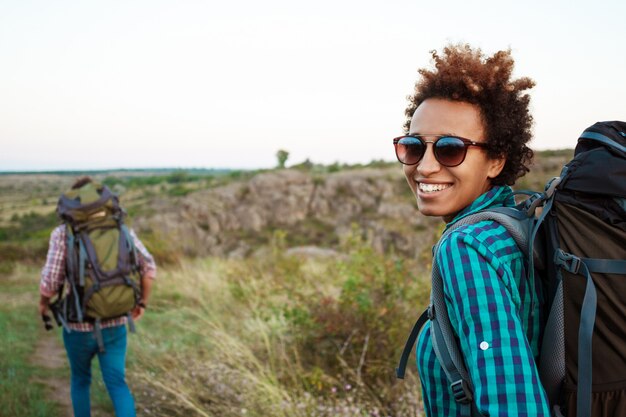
[488, 301]
[53, 272]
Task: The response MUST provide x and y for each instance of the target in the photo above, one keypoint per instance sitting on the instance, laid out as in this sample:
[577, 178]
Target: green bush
[178, 190]
[351, 334]
[29, 226]
[178, 177]
[30, 252]
[356, 333]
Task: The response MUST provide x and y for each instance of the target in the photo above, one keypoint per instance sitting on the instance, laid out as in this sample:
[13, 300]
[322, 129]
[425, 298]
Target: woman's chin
[425, 210]
[431, 211]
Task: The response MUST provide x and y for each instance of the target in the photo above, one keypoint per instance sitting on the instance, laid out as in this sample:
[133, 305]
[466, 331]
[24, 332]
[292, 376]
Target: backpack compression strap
[71, 263]
[605, 140]
[584, 267]
[97, 332]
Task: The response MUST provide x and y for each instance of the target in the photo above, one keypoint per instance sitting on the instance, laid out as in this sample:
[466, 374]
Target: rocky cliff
[312, 209]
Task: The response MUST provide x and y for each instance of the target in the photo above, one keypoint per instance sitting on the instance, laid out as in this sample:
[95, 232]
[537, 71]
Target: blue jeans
[81, 347]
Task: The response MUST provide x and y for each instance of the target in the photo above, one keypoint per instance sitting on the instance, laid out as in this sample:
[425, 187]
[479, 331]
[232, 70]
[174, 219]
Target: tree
[282, 156]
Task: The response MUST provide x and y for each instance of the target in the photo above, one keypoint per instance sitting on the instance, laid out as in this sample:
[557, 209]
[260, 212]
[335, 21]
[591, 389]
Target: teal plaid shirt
[489, 303]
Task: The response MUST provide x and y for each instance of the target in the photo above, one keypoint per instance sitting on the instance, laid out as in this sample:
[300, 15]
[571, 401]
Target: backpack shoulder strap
[518, 223]
[74, 271]
[130, 247]
[446, 348]
[408, 346]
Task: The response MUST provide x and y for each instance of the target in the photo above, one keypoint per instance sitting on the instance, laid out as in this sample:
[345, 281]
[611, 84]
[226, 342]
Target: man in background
[80, 339]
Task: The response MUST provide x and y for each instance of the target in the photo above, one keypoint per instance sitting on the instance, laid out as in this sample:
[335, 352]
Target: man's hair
[462, 73]
[81, 182]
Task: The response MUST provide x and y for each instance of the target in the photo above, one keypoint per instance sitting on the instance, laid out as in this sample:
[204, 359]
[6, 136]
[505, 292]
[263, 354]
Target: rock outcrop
[312, 209]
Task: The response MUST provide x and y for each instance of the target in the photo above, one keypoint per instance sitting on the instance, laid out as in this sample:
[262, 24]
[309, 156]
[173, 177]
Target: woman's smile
[432, 187]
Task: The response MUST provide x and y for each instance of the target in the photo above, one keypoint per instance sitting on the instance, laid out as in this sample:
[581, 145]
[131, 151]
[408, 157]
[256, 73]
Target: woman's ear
[495, 166]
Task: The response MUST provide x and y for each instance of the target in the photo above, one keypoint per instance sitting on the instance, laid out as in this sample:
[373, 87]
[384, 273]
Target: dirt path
[50, 354]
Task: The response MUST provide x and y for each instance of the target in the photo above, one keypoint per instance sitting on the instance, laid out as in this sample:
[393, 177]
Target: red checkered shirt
[53, 272]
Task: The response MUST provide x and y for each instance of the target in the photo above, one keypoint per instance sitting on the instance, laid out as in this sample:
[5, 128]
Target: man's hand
[44, 305]
[137, 312]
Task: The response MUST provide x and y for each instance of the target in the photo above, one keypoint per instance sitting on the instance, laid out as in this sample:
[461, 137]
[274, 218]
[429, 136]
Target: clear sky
[152, 83]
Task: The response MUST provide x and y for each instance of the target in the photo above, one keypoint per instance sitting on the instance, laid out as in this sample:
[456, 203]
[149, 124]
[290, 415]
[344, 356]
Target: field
[299, 315]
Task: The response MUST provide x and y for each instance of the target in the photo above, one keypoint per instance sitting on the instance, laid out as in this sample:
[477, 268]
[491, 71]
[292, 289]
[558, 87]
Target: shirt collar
[497, 196]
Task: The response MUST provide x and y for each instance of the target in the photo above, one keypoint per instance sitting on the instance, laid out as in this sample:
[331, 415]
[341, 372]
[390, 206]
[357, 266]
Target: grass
[278, 336]
[215, 343]
[22, 392]
[19, 329]
[18, 396]
[269, 335]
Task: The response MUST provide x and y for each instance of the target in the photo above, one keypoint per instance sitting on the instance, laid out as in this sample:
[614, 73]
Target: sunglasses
[449, 151]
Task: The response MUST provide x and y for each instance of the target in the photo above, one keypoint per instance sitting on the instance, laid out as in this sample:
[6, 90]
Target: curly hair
[465, 74]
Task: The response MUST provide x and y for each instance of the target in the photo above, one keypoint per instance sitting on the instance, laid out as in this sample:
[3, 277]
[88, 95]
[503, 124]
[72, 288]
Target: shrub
[356, 333]
[344, 322]
[30, 225]
[178, 190]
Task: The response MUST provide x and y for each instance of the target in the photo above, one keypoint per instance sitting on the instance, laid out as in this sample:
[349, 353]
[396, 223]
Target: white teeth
[430, 188]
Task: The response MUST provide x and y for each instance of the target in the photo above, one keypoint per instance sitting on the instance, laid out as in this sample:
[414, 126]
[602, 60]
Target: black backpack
[574, 237]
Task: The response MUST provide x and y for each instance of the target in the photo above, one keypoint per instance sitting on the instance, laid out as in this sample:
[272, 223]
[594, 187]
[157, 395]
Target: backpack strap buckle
[430, 312]
[567, 261]
[552, 184]
[461, 392]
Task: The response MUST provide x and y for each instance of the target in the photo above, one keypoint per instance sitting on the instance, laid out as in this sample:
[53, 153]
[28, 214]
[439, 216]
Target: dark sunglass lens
[409, 150]
[450, 151]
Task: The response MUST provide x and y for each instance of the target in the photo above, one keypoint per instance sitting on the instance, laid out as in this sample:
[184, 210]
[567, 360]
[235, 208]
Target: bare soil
[50, 354]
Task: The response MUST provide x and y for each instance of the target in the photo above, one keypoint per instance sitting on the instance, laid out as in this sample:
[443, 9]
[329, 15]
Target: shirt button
[484, 345]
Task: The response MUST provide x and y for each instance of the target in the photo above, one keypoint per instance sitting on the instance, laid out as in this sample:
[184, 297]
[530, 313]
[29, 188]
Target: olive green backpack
[101, 262]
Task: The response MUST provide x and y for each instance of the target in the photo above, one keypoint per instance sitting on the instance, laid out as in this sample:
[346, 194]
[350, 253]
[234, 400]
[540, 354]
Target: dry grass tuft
[279, 336]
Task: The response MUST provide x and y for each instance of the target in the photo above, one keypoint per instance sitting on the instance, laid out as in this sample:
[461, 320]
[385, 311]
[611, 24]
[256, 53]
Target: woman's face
[445, 191]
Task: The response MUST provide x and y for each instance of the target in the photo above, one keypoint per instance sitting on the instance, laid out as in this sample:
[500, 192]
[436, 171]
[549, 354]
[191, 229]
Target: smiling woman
[467, 128]
[444, 189]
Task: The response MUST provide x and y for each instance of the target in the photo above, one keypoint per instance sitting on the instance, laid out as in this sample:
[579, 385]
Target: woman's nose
[429, 164]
